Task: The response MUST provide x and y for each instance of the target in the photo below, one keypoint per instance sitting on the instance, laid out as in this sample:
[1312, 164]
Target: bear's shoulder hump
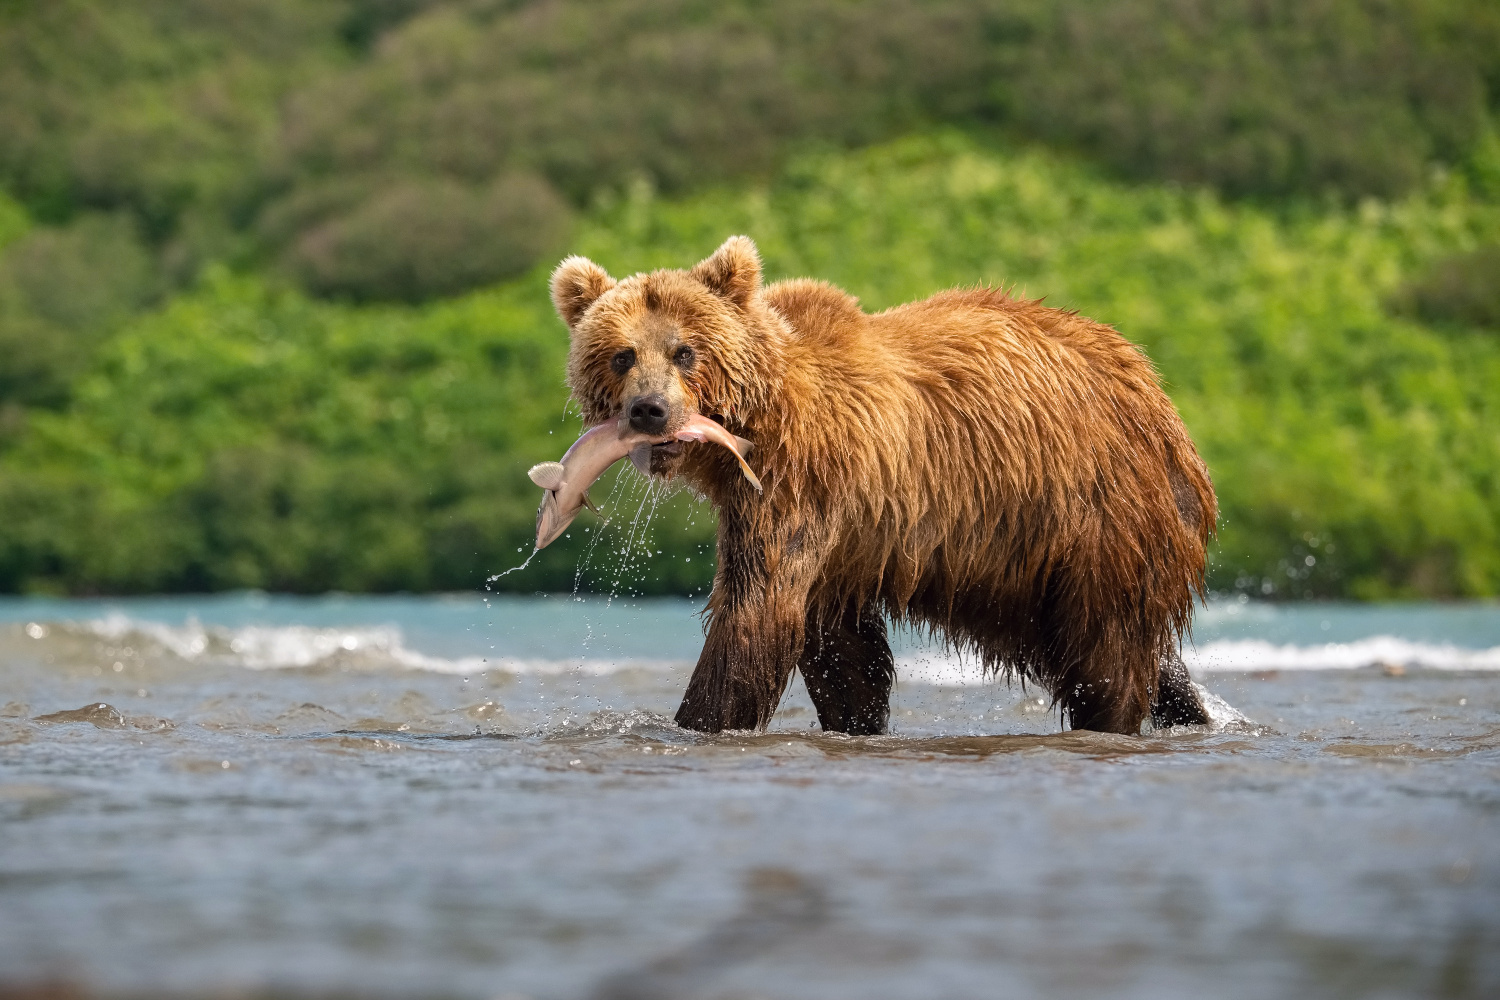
[810, 306]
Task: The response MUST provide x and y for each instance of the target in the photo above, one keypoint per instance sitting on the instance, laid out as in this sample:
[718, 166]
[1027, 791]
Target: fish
[566, 484]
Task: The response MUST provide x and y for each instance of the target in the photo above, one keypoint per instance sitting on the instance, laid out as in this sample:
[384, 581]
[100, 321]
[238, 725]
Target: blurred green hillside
[272, 272]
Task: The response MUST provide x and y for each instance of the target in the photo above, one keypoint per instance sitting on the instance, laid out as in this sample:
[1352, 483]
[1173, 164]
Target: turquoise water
[251, 795]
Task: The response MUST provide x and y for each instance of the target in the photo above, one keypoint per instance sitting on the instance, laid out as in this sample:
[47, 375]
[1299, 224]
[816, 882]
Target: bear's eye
[684, 357]
[623, 362]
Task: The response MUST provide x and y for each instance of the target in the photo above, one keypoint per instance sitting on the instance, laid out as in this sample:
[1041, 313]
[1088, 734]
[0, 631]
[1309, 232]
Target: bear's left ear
[576, 283]
[733, 272]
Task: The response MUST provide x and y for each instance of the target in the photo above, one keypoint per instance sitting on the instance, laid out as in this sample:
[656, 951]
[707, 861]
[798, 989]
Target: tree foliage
[1463, 289]
[249, 436]
[307, 134]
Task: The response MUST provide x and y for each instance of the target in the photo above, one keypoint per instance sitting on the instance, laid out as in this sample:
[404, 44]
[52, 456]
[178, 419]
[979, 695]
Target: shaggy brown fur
[1010, 476]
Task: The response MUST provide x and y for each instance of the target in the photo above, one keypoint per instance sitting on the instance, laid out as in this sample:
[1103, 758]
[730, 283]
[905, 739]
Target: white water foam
[259, 647]
[292, 647]
[1246, 655]
[265, 647]
[1256, 654]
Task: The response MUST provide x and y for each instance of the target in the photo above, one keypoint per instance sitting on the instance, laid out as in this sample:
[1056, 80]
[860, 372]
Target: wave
[293, 647]
[1249, 656]
[274, 647]
[1236, 655]
[265, 647]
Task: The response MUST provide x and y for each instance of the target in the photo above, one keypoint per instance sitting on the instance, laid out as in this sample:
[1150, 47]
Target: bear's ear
[576, 283]
[733, 272]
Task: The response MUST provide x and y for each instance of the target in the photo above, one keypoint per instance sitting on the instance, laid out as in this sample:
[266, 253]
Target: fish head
[551, 520]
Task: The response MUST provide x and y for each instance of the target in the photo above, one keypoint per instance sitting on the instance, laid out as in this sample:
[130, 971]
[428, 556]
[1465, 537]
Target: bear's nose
[648, 414]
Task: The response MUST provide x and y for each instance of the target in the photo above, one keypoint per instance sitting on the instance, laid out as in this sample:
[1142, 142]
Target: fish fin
[743, 444]
[547, 475]
[590, 505]
[750, 475]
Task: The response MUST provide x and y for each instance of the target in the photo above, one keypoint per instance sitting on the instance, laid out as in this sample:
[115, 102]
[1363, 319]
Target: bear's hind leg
[848, 668]
[1176, 701]
[1094, 707]
[1091, 668]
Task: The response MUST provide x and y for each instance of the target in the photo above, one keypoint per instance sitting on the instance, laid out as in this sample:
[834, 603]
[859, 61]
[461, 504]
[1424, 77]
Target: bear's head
[657, 348]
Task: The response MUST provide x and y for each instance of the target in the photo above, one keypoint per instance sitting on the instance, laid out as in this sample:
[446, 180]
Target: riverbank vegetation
[272, 275]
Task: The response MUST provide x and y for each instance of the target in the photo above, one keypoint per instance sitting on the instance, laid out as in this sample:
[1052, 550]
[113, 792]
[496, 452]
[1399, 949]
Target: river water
[253, 796]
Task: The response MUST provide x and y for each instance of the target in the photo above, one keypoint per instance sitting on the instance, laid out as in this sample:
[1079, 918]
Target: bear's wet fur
[1008, 476]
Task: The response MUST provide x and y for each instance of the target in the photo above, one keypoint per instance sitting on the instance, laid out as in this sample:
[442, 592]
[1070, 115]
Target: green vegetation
[1264, 98]
[405, 149]
[245, 435]
[227, 228]
[1462, 290]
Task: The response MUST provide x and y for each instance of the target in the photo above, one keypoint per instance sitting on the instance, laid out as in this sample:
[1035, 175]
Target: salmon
[566, 483]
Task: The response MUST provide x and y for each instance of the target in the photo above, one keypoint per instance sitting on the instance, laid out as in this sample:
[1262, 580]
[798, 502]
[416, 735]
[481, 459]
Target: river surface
[414, 797]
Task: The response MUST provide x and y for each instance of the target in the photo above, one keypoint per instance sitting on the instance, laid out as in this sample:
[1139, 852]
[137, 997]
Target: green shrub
[1462, 289]
[414, 240]
[366, 20]
[62, 290]
[1265, 97]
[13, 220]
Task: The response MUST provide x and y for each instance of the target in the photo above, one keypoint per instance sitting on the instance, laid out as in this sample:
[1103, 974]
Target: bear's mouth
[662, 458]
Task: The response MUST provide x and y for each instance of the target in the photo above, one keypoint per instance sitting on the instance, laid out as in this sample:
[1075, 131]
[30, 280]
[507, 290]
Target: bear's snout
[648, 414]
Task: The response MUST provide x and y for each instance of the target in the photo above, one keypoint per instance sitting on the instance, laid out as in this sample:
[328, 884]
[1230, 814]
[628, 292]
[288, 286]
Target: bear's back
[820, 315]
[953, 336]
[980, 392]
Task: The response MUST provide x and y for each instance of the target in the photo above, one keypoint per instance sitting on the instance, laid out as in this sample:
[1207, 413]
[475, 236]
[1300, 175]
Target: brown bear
[1008, 476]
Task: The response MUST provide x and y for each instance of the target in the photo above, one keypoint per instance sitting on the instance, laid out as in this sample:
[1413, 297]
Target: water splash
[598, 532]
[625, 563]
[490, 580]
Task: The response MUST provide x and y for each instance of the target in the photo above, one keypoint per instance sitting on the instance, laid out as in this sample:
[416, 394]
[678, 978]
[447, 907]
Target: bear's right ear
[576, 283]
[733, 271]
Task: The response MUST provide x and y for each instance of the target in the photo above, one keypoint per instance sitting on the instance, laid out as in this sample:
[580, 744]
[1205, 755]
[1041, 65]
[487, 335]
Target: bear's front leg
[849, 670]
[757, 613]
[742, 672]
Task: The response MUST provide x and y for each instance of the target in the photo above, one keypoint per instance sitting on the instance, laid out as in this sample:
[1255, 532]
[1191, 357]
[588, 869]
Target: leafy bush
[1255, 97]
[1265, 97]
[61, 292]
[1462, 289]
[13, 220]
[415, 240]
